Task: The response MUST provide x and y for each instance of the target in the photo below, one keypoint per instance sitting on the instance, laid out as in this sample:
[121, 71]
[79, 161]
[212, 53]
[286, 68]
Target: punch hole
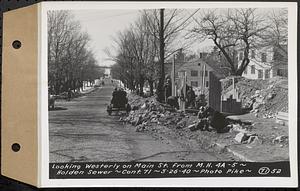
[16, 147]
[16, 44]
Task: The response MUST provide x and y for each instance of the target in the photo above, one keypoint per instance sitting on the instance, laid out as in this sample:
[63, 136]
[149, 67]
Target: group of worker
[189, 98]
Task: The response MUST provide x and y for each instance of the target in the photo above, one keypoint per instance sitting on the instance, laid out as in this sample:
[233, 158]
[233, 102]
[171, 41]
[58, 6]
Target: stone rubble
[152, 116]
[265, 98]
[148, 113]
[246, 138]
[280, 139]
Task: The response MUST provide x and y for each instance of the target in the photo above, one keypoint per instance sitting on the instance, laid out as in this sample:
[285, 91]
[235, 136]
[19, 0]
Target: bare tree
[146, 51]
[152, 38]
[277, 33]
[231, 30]
[274, 41]
[166, 26]
[136, 51]
[70, 61]
[276, 38]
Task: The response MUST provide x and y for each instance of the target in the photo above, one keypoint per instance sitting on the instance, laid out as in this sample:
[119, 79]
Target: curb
[236, 154]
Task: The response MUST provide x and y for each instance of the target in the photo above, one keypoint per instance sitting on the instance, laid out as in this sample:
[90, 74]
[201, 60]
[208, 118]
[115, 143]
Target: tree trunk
[141, 86]
[131, 83]
[151, 87]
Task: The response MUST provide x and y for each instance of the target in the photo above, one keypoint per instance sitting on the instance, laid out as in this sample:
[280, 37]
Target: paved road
[81, 131]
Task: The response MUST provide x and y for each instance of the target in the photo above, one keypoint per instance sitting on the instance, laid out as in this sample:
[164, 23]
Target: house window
[206, 84]
[253, 54]
[253, 69]
[245, 71]
[263, 57]
[267, 73]
[194, 83]
[260, 74]
[206, 73]
[194, 73]
[201, 55]
[241, 56]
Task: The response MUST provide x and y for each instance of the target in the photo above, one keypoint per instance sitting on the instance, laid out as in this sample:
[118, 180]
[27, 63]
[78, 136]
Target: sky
[102, 26]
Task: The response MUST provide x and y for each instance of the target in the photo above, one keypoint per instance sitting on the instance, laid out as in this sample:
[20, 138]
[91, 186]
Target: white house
[264, 63]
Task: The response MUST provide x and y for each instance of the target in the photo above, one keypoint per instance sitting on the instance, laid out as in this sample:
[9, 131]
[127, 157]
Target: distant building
[198, 71]
[204, 77]
[179, 61]
[265, 63]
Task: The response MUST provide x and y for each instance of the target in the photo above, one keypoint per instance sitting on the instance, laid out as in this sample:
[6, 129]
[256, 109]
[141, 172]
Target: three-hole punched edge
[16, 44]
[16, 147]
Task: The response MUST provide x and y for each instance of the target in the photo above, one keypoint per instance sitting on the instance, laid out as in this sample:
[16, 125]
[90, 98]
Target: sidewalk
[272, 143]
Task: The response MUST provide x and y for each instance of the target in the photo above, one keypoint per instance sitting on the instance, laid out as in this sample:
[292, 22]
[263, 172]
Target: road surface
[81, 131]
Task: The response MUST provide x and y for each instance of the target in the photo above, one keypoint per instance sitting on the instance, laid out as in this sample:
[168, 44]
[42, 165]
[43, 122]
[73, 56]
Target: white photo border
[44, 180]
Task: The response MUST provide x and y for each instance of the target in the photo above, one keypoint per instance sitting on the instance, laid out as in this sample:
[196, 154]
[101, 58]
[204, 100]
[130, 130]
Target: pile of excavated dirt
[264, 97]
[263, 135]
[147, 112]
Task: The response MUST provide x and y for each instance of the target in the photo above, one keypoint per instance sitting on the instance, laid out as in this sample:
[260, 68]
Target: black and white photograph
[168, 88]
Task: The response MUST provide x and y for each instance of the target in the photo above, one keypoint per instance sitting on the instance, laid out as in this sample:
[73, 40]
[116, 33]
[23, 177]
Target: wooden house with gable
[204, 76]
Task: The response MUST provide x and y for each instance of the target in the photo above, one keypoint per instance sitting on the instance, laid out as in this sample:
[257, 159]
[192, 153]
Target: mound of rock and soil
[264, 97]
[258, 139]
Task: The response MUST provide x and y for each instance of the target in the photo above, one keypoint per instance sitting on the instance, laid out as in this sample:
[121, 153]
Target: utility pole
[162, 55]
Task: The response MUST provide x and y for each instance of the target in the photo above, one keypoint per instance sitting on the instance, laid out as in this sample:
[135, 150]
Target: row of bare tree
[70, 60]
[142, 48]
[157, 34]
